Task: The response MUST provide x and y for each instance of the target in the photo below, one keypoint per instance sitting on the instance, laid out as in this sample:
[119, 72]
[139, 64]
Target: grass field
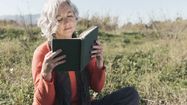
[152, 58]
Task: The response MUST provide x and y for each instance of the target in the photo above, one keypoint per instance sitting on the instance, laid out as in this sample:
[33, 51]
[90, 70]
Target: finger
[96, 51]
[92, 56]
[55, 53]
[59, 58]
[60, 62]
[96, 47]
[97, 42]
[49, 53]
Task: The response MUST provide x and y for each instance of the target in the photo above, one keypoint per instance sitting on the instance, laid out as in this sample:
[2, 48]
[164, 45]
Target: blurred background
[145, 46]
[126, 10]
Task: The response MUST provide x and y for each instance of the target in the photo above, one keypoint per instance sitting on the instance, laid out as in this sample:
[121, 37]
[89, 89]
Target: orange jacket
[44, 91]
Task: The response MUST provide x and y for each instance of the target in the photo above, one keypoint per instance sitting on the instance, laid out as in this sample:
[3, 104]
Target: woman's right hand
[50, 62]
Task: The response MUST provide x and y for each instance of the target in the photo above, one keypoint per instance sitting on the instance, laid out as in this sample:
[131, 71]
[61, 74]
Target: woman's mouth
[68, 28]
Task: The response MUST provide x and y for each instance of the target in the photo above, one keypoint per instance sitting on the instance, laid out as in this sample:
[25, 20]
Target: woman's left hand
[97, 51]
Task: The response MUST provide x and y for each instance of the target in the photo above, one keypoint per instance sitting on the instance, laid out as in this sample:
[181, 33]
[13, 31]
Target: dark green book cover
[77, 50]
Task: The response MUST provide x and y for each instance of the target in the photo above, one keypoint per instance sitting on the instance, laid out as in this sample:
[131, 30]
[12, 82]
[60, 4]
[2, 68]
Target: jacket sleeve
[44, 91]
[97, 76]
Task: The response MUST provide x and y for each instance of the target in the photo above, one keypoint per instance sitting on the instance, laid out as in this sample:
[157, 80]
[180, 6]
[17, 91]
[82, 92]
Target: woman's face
[66, 22]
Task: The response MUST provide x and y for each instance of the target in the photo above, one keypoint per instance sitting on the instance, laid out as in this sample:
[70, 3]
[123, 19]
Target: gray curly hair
[47, 21]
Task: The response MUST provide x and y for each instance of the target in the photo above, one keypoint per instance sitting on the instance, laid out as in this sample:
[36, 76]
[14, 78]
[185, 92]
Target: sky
[126, 10]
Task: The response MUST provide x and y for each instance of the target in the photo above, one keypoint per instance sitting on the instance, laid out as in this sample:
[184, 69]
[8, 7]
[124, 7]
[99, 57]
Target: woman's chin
[68, 32]
[67, 35]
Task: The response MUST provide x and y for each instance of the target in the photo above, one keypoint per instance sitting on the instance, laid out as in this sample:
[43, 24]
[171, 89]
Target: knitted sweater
[44, 91]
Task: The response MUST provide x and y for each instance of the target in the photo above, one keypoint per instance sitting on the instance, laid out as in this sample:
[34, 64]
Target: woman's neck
[63, 36]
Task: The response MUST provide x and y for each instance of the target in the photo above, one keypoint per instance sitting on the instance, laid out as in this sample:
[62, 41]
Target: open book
[77, 50]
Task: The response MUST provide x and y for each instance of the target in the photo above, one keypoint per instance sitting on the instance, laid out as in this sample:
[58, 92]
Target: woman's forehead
[64, 9]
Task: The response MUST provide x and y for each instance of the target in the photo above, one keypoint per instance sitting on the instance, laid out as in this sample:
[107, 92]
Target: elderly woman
[59, 20]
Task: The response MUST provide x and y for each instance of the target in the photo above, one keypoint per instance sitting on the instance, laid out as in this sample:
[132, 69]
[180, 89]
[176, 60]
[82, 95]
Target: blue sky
[126, 10]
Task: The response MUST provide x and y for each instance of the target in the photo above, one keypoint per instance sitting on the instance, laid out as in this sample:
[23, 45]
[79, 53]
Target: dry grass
[151, 59]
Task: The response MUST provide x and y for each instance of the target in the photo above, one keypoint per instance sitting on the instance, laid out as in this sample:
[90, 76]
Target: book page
[84, 33]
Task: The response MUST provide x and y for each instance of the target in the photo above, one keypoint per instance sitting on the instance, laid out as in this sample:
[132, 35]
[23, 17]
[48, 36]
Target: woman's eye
[60, 19]
[70, 16]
